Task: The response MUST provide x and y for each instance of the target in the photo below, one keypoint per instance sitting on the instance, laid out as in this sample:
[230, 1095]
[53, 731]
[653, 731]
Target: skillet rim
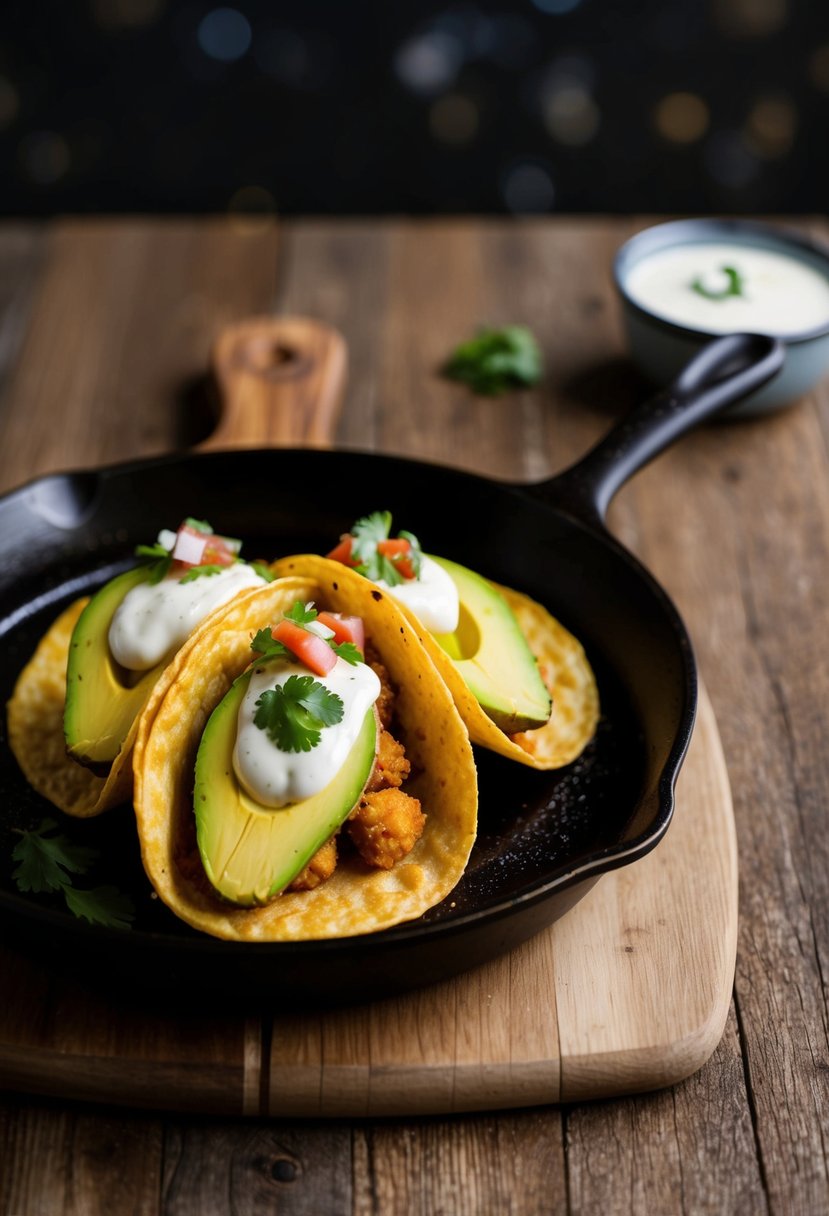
[550, 495]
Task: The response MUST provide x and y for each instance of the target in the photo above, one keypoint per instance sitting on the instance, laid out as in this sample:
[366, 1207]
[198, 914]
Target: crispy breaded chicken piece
[385, 702]
[385, 826]
[320, 867]
[390, 766]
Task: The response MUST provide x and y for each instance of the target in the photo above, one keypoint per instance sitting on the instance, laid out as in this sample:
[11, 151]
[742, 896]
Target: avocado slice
[252, 852]
[103, 699]
[491, 654]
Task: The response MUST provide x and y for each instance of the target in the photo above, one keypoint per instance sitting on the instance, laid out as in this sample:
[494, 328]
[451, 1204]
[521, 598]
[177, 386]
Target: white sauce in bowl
[780, 294]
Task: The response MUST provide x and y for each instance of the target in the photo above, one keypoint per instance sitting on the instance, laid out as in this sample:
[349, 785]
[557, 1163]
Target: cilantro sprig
[367, 537]
[496, 360]
[46, 862]
[294, 713]
[268, 647]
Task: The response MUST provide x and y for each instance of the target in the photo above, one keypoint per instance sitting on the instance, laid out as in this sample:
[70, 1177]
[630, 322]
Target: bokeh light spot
[252, 210]
[45, 156]
[429, 62]
[9, 103]
[771, 125]
[571, 115]
[527, 188]
[454, 119]
[224, 34]
[681, 118]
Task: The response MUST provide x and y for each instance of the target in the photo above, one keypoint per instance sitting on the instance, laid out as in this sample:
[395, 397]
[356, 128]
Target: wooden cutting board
[627, 992]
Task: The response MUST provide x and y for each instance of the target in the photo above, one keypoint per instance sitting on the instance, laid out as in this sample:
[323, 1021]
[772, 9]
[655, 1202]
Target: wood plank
[122, 323]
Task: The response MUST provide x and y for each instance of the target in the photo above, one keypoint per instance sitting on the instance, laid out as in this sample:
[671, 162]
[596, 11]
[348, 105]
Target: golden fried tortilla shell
[35, 722]
[356, 899]
[561, 658]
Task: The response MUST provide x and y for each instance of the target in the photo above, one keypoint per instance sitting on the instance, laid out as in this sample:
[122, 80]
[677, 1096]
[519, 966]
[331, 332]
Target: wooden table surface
[104, 333]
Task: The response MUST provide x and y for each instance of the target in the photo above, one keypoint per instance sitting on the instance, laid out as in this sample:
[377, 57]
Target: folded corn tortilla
[561, 658]
[356, 899]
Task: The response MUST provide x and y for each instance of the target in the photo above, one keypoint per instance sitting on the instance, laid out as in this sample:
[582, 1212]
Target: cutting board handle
[280, 382]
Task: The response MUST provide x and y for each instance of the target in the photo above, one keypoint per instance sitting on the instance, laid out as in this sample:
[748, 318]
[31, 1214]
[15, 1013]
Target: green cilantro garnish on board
[496, 360]
[294, 713]
[46, 861]
[734, 287]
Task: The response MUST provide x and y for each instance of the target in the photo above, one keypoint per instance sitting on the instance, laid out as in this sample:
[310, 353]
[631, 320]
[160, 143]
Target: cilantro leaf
[496, 360]
[263, 571]
[367, 532]
[101, 906]
[46, 858]
[266, 645]
[160, 560]
[201, 572]
[294, 713]
[199, 525]
[734, 286]
[301, 614]
[349, 652]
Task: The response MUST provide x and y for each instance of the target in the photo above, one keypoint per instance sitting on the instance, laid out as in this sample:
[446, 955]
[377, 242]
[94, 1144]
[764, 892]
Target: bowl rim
[661, 236]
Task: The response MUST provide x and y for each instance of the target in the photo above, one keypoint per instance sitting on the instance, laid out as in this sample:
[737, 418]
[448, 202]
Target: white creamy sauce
[154, 619]
[276, 778]
[781, 295]
[433, 597]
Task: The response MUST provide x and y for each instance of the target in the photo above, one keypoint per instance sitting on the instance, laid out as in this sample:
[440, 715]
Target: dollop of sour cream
[154, 619]
[276, 778]
[433, 597]
[780, 294]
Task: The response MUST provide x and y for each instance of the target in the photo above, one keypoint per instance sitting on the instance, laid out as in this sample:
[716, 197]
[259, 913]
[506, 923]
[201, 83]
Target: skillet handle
[280, 382]
[723, 372]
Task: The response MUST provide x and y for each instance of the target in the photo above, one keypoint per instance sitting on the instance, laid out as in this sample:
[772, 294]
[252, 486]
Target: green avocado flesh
[491, 653]
[252, 852]
[103, 699]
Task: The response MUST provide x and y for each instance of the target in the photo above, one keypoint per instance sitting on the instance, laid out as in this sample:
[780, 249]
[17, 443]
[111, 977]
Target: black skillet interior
[543, 838]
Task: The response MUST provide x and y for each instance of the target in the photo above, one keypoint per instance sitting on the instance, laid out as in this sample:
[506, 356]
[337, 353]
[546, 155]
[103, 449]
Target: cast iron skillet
[544, 839]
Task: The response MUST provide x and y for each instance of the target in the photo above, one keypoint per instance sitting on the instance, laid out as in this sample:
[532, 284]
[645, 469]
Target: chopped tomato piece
[342, 552]
[217, 552]
[346, 628]
[393, 548]
[310, 649]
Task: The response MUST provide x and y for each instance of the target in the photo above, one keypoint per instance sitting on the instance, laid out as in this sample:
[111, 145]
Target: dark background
[324, 106]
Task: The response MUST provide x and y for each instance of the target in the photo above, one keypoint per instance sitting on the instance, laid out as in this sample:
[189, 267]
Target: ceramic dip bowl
[688, 281]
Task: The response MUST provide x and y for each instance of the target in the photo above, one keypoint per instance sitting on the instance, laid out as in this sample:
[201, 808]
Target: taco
[73, 715]
[242, 834]
[521, 681]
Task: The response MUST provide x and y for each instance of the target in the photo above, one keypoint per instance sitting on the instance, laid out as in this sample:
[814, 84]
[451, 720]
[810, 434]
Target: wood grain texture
[734, 522]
